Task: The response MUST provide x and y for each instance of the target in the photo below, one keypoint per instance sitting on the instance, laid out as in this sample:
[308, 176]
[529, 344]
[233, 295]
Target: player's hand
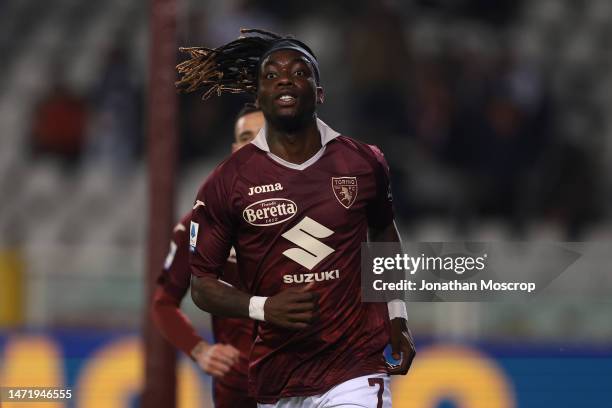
[215, 359]
[402, 346]
[295, 308]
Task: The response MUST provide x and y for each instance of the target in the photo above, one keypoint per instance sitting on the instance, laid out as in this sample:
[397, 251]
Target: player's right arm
[175, 327]
[219, 299]
[291, 308]
[212, 212]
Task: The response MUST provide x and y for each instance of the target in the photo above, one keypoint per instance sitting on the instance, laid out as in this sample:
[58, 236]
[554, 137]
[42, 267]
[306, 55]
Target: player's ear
[320, 95]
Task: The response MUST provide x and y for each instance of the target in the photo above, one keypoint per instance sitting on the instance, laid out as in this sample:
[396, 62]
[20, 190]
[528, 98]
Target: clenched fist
[215, 359]
[292, 308]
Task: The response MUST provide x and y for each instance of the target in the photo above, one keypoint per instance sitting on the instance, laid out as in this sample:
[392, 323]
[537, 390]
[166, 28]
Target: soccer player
[296, 203]
[227, 360]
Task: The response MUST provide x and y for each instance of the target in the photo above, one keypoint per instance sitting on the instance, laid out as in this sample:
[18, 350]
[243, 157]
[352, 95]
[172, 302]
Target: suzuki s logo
[311, 251]
[270, 211]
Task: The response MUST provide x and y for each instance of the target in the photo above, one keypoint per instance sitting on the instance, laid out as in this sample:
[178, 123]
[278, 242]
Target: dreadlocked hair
[230, 68]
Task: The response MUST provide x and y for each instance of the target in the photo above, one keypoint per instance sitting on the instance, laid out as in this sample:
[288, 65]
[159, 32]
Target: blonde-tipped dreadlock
[229, 68]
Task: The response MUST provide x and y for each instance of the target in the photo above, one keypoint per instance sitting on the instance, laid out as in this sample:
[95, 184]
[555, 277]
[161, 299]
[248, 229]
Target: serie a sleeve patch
[193, 235]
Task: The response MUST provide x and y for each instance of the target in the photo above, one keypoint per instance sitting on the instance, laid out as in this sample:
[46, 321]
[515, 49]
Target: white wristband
[397, 308]
[256, 307]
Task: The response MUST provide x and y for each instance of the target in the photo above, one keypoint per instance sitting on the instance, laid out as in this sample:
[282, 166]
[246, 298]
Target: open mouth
[286, 100]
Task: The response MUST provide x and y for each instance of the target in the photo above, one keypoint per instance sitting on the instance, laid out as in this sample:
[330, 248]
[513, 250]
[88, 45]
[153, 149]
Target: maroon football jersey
[292, 225]
[176, 277]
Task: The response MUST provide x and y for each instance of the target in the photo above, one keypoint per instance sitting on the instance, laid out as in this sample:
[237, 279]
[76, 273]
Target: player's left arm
[382, 228]
[402, 343]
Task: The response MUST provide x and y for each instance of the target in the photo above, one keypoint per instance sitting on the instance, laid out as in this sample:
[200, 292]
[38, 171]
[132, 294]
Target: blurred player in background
[227, 359]
[296, 204]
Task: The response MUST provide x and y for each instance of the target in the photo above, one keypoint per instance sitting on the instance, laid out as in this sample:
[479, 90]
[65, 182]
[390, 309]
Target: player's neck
[295, 145]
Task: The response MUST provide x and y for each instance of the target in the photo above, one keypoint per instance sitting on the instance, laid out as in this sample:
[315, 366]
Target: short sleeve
[380, 209]
[210, 229]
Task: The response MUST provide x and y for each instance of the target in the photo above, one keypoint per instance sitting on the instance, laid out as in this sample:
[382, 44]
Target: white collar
[327, 135]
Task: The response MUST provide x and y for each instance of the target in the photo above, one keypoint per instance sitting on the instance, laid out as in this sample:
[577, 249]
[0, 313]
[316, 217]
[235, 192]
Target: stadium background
[494, 117]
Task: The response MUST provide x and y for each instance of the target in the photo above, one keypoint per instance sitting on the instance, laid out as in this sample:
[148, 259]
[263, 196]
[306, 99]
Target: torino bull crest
[345, 190]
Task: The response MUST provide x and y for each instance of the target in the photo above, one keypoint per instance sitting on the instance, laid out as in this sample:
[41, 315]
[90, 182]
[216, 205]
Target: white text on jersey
[266, 188]
[270, 211]
[312, 277]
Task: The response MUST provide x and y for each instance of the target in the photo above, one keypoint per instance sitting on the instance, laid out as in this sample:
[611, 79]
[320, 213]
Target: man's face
[287, 91]
[246, 128]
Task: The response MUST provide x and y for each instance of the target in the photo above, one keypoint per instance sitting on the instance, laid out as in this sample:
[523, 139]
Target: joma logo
[266, 188]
